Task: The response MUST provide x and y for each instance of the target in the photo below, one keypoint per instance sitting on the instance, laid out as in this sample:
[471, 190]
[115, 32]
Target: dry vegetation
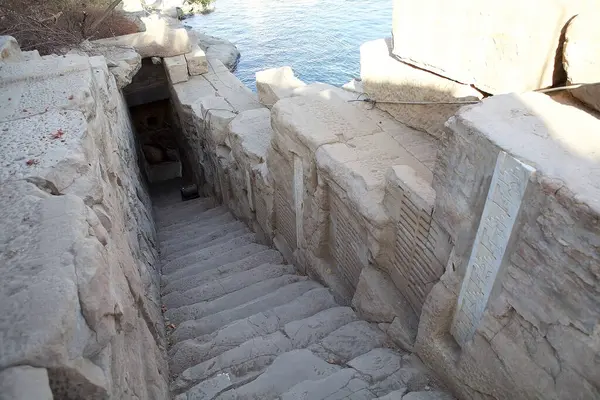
[52, 26]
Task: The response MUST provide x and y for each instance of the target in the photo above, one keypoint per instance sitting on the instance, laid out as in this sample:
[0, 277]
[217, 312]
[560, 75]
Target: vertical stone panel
[348, 244]
[500, 212]
[416, 266]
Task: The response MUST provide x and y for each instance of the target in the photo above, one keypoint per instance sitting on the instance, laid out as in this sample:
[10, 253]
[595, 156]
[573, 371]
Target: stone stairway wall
[79, 296]
[388, 218]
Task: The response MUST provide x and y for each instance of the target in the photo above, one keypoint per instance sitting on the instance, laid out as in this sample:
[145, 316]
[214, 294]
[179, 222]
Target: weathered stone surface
[502, 57]
[10, 51]
[580, 58]
[386, 79]
[82, 298]
[123, 62]
[176, 69]
[286, 371]
[159, 40]
[427, 396]
[276, 83]
[344, 384]
[314, 328]
[377, 300]
[196, 61]
[250, 136]
[24, 383]
[403, 333]
[218, 49]
[524, 325]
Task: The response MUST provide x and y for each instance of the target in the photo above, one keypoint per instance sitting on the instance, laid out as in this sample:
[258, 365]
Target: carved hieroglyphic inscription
[493, 235]
[285, 219]
[348, 245]
[298, 196]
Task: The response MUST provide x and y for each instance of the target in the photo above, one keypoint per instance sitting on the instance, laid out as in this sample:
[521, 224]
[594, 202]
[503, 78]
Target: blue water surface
[319, 39]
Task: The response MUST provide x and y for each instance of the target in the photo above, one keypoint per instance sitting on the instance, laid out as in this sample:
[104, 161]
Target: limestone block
[230, 87]
[581, 60]
[377, 300]
[196, 61]
[23, 383]
[31, 55]
[176, 69]
[213, 114]
[276, 83]
[386, 79]
[123, 62]
[10, 51]
[159, 40]
[499, 47]
[250, 136]
[218, 49]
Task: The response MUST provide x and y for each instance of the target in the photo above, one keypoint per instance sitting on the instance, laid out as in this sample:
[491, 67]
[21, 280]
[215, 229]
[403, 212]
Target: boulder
[581, 58]
[386, 79]
[276, 83]
[217, 48]
[10, 51]
[500, 47]
[377, 300]
[123, 61]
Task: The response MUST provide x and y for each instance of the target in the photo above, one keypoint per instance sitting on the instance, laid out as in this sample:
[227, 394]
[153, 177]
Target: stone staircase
[243, 324]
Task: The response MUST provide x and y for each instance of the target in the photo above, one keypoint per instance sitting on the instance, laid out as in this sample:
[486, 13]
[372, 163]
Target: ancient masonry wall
[79, 297]
[474, 248]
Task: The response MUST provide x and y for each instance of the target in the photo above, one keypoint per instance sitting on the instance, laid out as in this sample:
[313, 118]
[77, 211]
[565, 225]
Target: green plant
[204, 3]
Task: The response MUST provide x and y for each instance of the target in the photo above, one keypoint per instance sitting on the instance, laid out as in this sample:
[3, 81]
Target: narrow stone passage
[243, 324]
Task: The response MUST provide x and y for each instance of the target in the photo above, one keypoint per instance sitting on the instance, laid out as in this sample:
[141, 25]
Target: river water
[319, 39]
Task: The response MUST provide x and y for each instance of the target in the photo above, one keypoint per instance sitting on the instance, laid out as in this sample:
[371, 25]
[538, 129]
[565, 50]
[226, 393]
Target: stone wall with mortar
[80, 303]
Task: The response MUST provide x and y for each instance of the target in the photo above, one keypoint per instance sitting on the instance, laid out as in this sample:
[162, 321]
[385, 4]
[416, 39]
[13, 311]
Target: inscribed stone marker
[500, 212]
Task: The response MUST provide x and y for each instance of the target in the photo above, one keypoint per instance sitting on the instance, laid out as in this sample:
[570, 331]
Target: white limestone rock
[159, 40]
[386, 79]
[581, 60]
[377, 300]
[196, 61]
[219, 49]
[176, 69]
[24, 383]
[123, 62]
[511, 51]
[10, 51]
[276, 83]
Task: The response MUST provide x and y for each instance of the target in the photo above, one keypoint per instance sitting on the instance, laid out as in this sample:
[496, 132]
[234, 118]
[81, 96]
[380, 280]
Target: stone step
[220, 287]
[344, 384]
[202, 309]
[219, 260]
[206, 253]
[195, 230]
[384, 370]
[314, 328]
[189, 352]
[175, 213]
[212, 217]
[221, 240]
[421, 395]
[254, 354]
[268, 256]
[348, 342]
[211, 323]
[286, 371]
[182, 242]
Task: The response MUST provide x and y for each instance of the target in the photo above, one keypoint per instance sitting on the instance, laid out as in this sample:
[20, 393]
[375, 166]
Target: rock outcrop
[80, 304]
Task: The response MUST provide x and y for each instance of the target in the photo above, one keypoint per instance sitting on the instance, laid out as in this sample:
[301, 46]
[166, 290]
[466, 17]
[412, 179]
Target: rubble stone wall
[80, 293]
